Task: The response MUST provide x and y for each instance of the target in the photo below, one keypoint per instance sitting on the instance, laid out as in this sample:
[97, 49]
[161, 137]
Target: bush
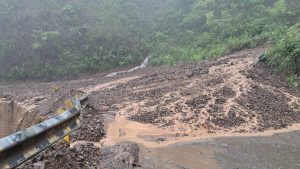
[285, 53]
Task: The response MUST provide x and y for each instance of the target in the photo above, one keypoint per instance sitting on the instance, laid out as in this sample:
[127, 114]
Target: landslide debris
[87, 156]
[214, 95]
[92, 126]
[230, 94]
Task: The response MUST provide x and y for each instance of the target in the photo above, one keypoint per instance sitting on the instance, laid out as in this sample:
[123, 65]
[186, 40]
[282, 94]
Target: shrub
[285, 53]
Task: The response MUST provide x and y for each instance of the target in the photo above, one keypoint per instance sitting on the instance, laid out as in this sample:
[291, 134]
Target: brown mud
[14, 116]
[132, 119]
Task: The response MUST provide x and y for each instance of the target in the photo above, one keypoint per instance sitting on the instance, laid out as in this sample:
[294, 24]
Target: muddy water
[161, 148]
[122, 130]
[13, 117]
[155, 145]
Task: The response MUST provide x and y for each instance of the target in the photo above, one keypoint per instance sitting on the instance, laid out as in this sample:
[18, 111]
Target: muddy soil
[157, 107]
[14, 116]
[224, 94]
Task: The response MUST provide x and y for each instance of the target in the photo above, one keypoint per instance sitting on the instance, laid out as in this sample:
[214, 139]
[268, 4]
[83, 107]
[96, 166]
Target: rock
[177, 135]
[38, 99]
[242, 131]
[204, 125]
[189, 73]
[40, 157]
[56, 88]
[59, 153]
[124, 155]
[119, 106]
[161, 139]
[105, 108]
[122, 133]
[78, 147]
[90, 167]
[254, 86]
[152, 102]
[262, 58]
[80, 158]
[39, 165]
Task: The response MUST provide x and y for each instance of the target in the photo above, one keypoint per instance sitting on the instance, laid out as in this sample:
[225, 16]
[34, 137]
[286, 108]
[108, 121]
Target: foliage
[292, 79]
[285, 53]
[44, 39]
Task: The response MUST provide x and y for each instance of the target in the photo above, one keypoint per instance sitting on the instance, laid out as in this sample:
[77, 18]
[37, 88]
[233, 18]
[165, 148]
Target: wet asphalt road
[280, 151]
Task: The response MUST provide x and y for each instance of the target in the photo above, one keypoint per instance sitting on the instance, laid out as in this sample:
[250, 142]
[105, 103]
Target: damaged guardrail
[25, 144]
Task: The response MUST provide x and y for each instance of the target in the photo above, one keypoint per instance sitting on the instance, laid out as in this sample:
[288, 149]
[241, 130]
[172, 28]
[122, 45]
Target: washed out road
[227, 112]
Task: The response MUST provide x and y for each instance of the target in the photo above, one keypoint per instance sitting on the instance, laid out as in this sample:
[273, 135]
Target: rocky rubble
[92, 127]
[87, 156]
[230, 94]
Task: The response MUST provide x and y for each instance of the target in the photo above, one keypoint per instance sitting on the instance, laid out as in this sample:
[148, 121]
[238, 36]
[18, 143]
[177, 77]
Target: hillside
[42, 39]
[167, 84]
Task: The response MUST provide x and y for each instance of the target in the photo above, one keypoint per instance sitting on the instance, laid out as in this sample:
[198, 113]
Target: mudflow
[221, 113]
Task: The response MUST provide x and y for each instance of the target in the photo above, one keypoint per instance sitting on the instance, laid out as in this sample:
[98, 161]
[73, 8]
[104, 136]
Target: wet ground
[220, 113]
[267, 152]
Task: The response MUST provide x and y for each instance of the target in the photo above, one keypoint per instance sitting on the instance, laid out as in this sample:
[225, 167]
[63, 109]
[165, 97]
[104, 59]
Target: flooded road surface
[164, 149]
[280, 151]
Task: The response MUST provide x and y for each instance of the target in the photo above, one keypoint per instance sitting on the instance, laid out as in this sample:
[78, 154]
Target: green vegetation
[285, 53]
[292, 80]
[48, 38]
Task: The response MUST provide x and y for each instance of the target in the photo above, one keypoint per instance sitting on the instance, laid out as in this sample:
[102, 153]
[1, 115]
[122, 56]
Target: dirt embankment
[14, 116]
[156, 107]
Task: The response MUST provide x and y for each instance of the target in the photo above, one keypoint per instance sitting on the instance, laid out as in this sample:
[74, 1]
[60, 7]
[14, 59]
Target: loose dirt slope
[156, 107]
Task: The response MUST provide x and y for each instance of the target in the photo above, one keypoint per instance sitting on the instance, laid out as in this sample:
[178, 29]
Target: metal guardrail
[23, 145]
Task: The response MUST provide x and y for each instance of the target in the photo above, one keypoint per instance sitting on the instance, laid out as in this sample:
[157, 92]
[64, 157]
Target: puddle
[13, 117]
[124, 130]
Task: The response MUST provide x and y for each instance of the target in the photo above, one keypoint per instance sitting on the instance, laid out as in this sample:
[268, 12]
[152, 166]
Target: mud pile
[157, 107]
[230, 94]
[87, 156]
